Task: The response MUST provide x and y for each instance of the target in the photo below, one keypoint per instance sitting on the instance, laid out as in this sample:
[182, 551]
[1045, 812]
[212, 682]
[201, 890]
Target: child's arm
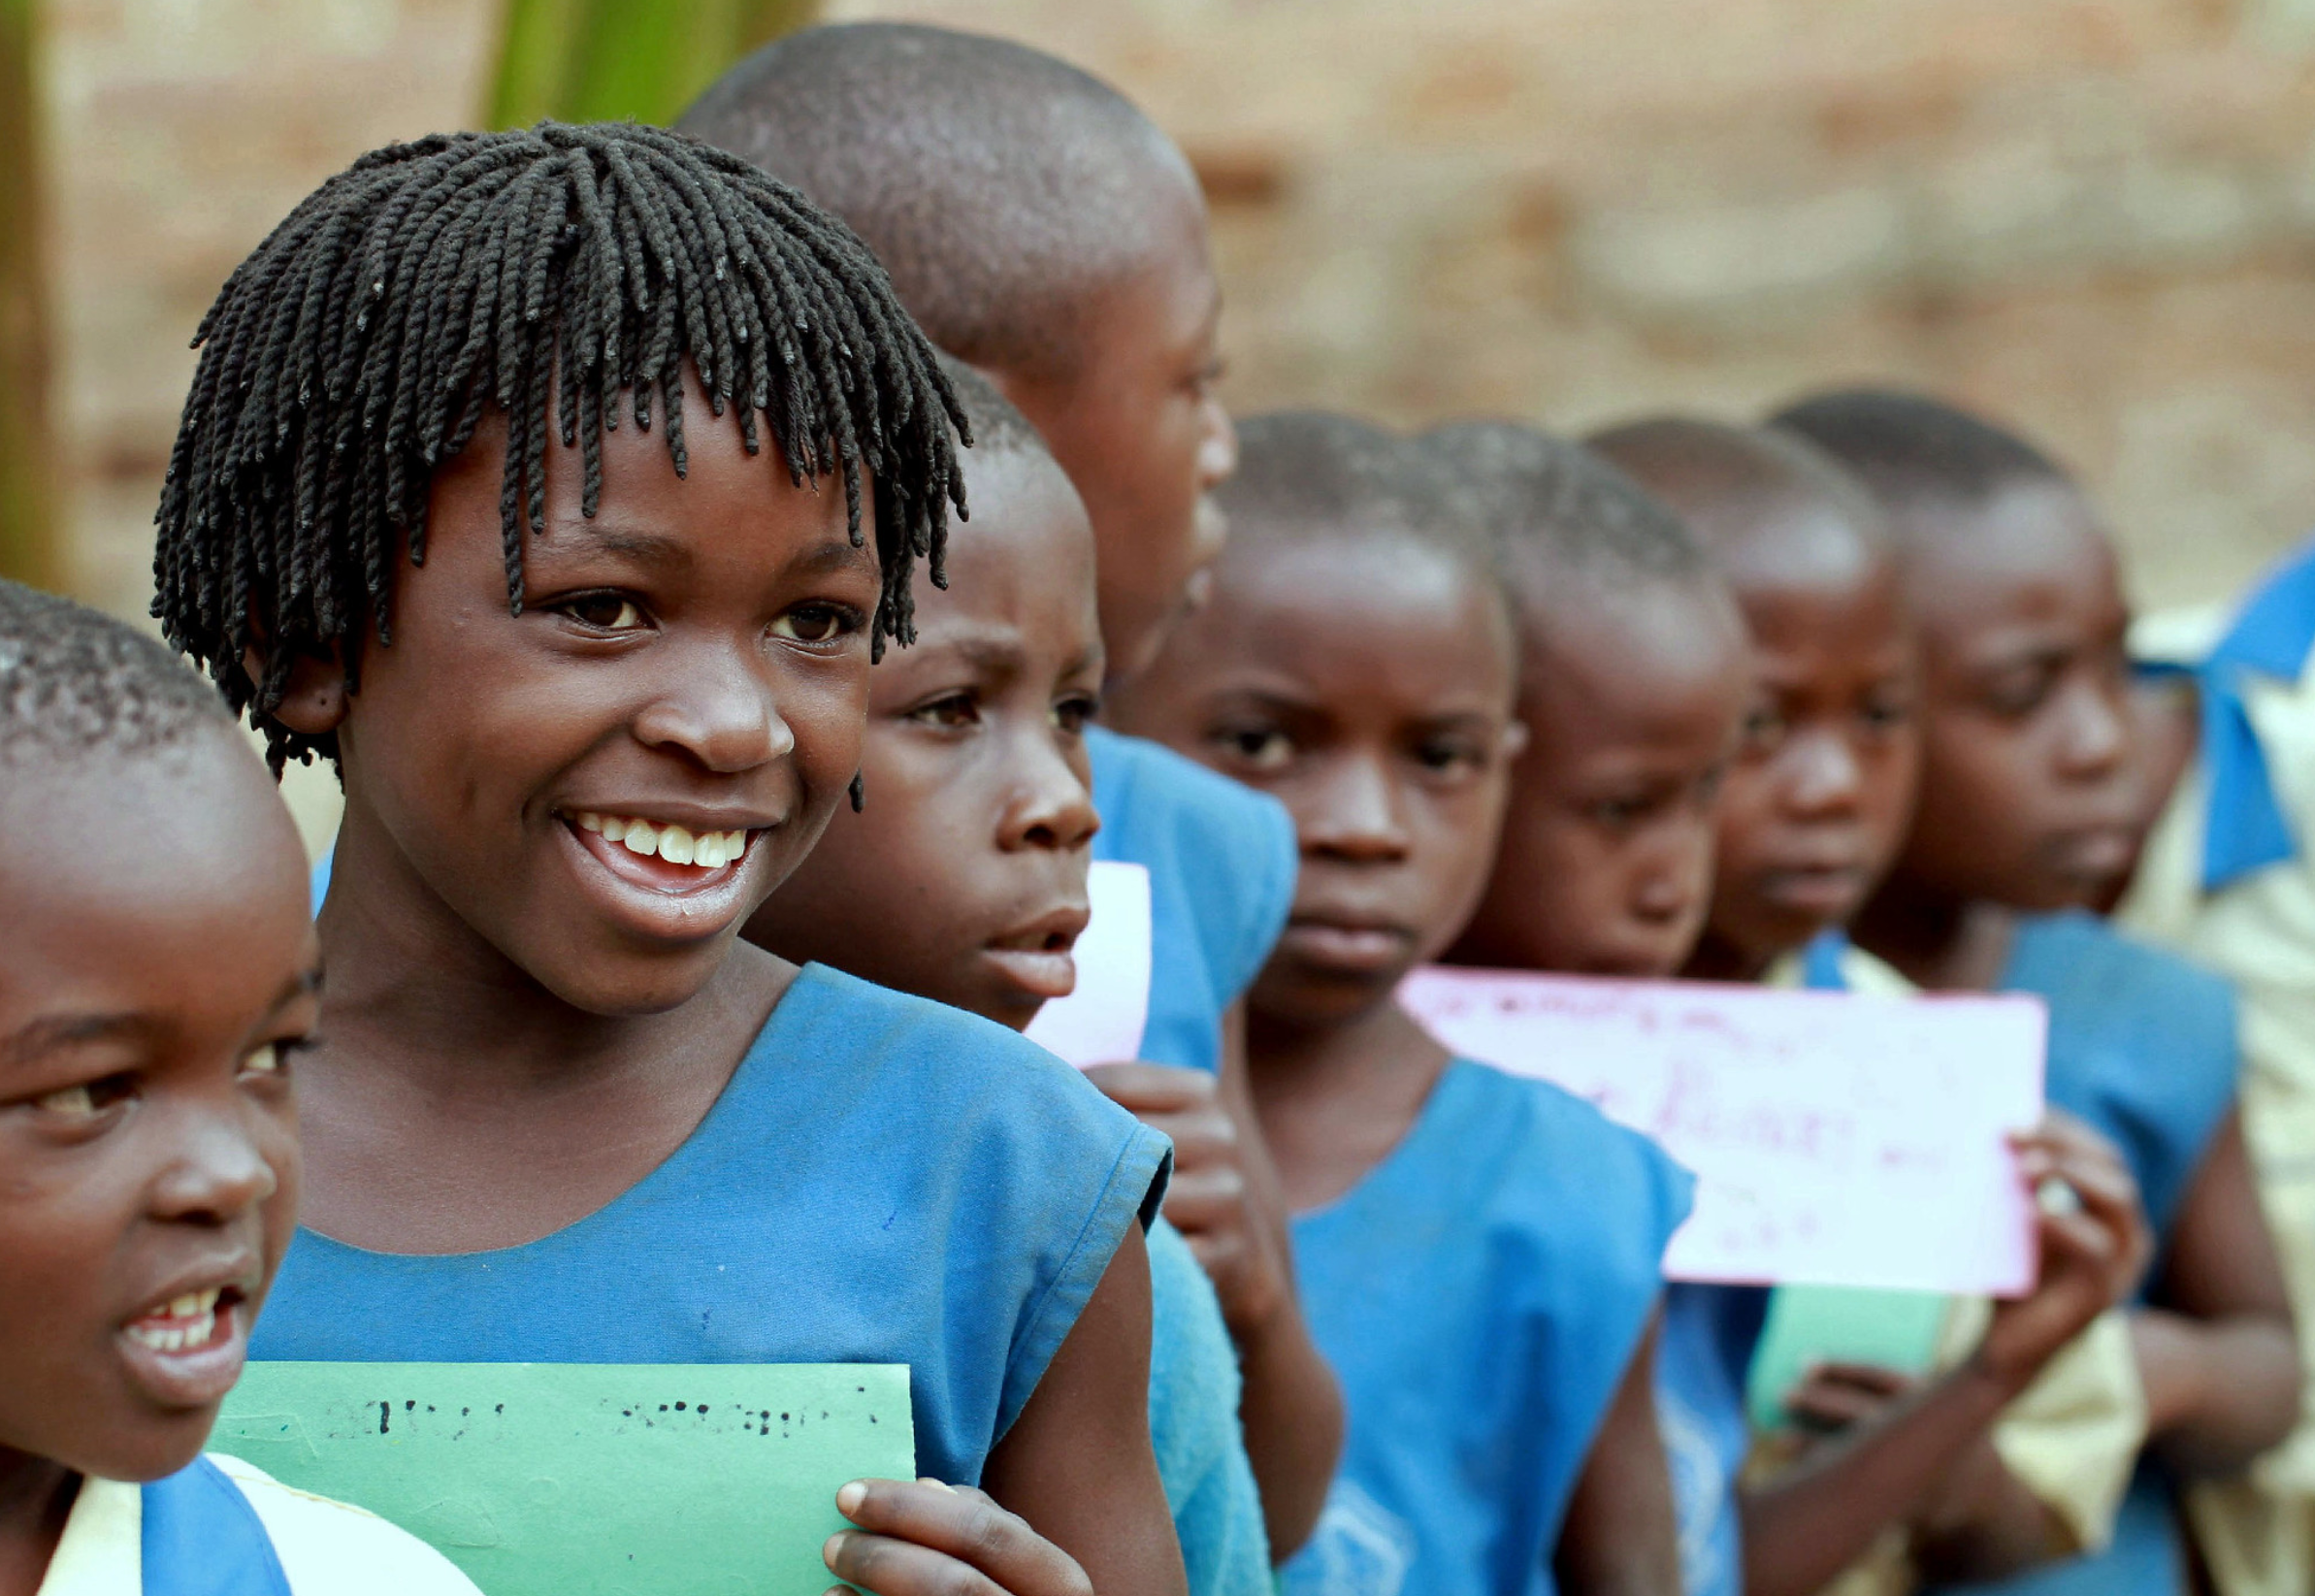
[1814, 1522]
[1225, 1200]
[1077, 1463]
[1619, 1537]
[2219, 1352]
[922, 1538]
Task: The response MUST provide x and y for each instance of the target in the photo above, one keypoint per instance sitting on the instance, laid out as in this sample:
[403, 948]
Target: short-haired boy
[1811, 814]
[157, 972]
[2027, 812]
[1480, 1255]
[565, 503]
[1044, 229]
[963, 878]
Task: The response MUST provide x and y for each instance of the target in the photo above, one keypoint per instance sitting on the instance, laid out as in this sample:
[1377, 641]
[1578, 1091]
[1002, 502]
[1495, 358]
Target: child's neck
[455, 1104]
[1335, 1100]
[1716, 959]
[36, 1498]
[1937, 941]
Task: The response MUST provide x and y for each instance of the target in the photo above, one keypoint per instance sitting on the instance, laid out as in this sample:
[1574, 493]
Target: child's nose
[720, 713]
[219, 1174]
[1052, 807]
[1353, 813]
[2095, 738]
[1824, 773]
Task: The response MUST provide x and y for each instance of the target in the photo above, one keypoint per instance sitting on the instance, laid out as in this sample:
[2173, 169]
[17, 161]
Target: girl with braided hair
[509, 482]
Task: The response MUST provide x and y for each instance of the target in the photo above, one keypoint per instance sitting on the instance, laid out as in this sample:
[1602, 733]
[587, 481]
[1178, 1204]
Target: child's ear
[1515, 740]
[313, 702]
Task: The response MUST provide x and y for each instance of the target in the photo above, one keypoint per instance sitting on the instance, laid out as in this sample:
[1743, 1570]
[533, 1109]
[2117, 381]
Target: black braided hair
[555, 274]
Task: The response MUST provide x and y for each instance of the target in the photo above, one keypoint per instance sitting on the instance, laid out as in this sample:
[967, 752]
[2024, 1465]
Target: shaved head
[1758, 498]
[999, 185]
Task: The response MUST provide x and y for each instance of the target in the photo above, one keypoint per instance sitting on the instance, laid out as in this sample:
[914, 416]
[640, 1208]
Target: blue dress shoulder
[1479, 1294]
[1222, 859]
[1209, 1480]
[884, 1180]
[1704, 1353]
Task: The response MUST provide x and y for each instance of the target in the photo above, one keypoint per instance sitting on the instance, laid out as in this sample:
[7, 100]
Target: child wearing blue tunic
[1479, 1254]
[151, 994]
[2028, 792]
[1814, 810]
[561, 1112]
[978, 838]
[1044, 229]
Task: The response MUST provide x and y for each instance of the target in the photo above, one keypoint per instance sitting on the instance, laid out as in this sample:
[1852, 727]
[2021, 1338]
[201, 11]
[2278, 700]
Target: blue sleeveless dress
[202, 1537]
[2142, 1045]
[883, 1181]
[1479, 1294]
[1222, 859]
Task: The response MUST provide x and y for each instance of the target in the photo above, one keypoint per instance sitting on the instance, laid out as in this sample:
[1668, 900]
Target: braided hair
[561, 273]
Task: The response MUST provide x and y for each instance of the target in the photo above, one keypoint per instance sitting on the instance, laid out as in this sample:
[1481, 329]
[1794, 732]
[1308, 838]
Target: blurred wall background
[2095, 217]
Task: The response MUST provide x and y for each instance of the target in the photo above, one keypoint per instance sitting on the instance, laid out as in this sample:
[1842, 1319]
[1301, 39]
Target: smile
[675, 844]
[187, 1349]
[182, 1324]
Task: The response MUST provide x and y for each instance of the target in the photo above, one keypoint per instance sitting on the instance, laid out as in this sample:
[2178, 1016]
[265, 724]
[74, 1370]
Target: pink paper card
[1101, 1022]
[1838, 1139]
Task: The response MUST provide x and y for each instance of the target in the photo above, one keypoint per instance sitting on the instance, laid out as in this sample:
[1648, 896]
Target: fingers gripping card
[1101, 1022]
[1837, 1138]
[548, 1478]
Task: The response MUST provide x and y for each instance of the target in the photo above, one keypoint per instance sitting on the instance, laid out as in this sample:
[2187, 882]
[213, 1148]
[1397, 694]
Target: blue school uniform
[1222, 859]
[1704, 1353]
[884, 1180]
[1480, 1294]
[1193, 1427]
[2142, 1045]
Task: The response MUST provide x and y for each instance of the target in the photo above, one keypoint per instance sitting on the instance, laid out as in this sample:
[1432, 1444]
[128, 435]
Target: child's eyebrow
[54, 1034]
[592, 537]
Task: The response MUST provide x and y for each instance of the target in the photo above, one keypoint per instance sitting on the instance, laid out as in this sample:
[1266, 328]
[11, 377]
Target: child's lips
[1349, 945]
[1826, 891]
[1040, 956]
[667, 898]
[187, 1350]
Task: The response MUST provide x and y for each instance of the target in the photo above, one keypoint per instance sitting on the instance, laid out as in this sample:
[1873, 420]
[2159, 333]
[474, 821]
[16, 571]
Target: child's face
[1369, 686]
[2027, 794]
[1632, 695]
[1817, 798]
[963, 879]
[689, 672]
[151, 988]
[1139, 427]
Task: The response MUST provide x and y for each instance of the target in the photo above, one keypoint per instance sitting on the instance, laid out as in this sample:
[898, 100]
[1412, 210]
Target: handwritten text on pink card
[1838, 1139]
[1101, 1022]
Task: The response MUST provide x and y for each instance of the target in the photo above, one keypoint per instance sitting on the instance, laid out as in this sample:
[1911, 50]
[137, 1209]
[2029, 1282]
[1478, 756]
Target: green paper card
[608, 1478]
[1812, 1324]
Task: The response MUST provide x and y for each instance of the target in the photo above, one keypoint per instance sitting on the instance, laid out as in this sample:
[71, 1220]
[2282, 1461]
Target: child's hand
[1210, 1200]
[1836, 1397]
[922, 1538]
[2095, 1244]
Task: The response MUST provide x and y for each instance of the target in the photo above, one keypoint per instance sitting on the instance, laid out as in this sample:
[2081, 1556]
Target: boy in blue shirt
[2026, 813]
[963, 877]
[1043, 229]
[152, 989]
[606, 384]
[1479, 1254]
[1814, 809]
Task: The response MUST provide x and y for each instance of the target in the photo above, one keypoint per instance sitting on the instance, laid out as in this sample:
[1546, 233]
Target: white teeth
[192, 1337]
[708, 851]
[675, 845]
[588, 822]
[613, 828]
[640, 837]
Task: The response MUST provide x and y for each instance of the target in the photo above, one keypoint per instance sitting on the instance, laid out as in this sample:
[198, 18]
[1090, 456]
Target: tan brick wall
[2097, 216]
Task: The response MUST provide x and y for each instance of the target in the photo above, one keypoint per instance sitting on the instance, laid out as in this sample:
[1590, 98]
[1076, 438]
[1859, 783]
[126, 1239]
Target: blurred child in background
[1480, 1255]
[2026, 812]
[1814, 810]
[1042, 228]
[962, 879]
[152, 992]
[557, 1111]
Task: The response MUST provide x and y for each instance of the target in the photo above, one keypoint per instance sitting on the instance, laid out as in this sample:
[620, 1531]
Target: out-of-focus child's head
[963, 876]
[2027, 792]
[1632, 686]
[1044, 229]
[157, 966]
[1359, 659]
[565, 501]
[1817, 800]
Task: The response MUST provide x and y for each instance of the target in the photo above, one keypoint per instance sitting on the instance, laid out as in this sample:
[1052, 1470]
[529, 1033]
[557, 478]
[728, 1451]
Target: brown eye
[604, 612]
[951, 711]
[1257, 748]
[814, 624]
[85, 1100]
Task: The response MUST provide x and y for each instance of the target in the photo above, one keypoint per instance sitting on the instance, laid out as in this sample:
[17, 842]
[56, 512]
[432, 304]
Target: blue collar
[1821, 962]
[202, 1537]
[2246, 829]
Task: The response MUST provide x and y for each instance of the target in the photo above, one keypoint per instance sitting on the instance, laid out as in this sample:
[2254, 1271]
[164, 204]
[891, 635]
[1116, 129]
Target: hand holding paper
[913, 1534]
[1837, 1139]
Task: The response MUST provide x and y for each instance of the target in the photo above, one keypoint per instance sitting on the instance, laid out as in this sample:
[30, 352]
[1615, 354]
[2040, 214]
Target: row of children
[677, 929]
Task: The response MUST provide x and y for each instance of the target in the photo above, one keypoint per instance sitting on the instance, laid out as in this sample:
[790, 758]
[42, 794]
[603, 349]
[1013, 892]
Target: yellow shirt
[325, 1547]
[2071, 1437]
[2257, 1531]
